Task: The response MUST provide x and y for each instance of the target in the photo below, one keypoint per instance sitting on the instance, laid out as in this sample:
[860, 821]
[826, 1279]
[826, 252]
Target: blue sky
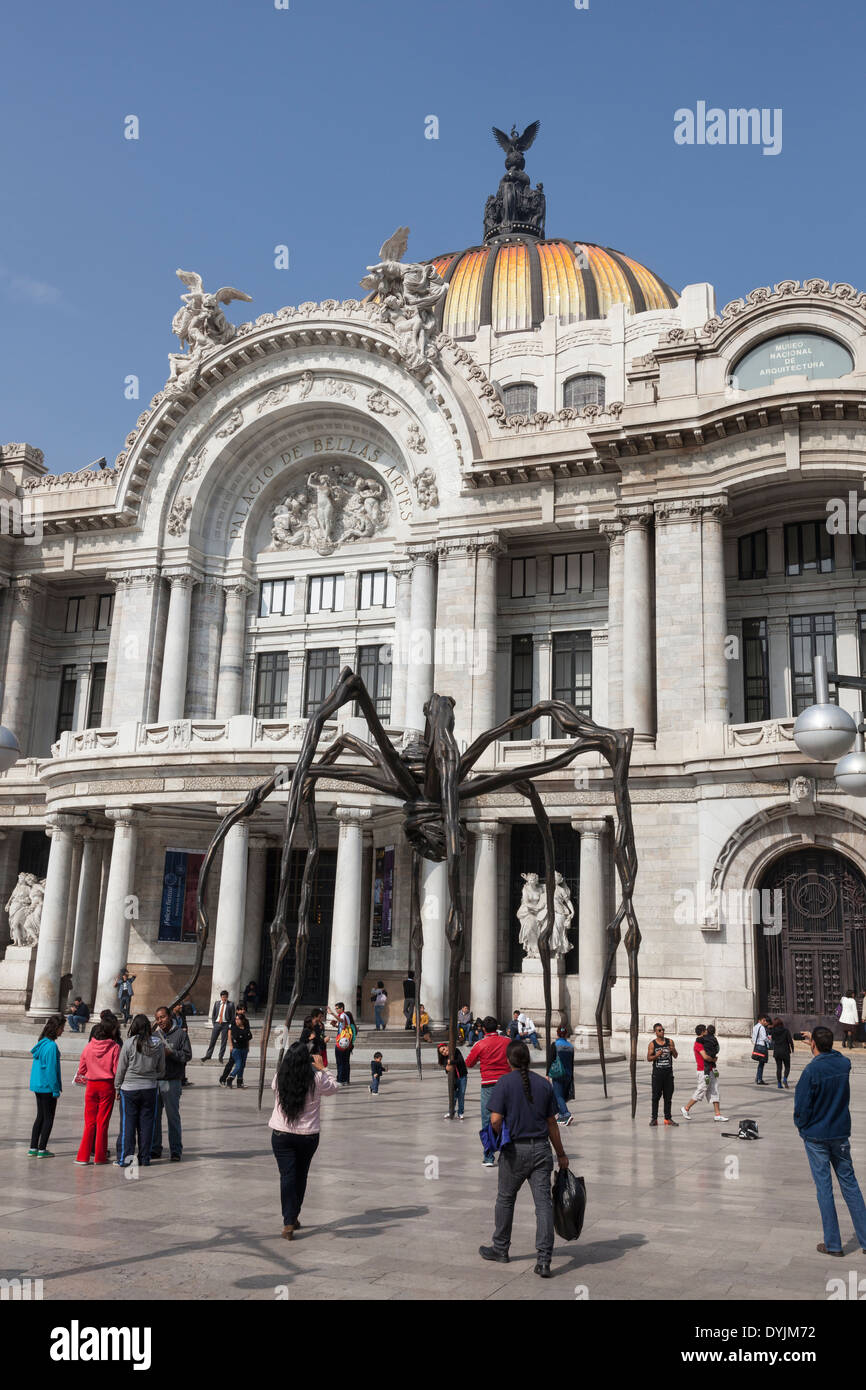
[305, 127]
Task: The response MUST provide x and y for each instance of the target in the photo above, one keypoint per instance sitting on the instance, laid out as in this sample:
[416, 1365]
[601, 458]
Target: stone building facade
[592, 488]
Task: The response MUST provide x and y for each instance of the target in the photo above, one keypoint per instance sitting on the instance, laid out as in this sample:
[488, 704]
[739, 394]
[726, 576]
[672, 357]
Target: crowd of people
[521, 1111]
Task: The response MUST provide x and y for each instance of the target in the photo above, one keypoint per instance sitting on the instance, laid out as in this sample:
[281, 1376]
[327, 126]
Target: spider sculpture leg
[417, 951]
[615, 747]
[444, 756]
[541, 819]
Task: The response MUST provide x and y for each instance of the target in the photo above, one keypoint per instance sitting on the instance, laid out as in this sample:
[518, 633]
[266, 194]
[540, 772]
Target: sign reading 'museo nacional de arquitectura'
[523, 470]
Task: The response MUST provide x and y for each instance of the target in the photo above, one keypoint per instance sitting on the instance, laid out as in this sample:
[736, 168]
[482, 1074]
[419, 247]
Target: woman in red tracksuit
[97, 1068]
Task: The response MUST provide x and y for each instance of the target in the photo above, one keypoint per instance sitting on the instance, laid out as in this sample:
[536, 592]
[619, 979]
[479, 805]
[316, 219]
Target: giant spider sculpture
[433, 779]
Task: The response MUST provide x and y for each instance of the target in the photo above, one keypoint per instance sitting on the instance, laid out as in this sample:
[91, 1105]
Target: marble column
[115, 927]
[600, 694]
[130, 668]
[69, 930]
[638, 695]
[49, 952]
[542, 680]
[175, 659]
[481, 640]
[779, 661]
[436, 955]
[714, 609]
[86, 913]
[230, 681]
[420, 646]
[402, 573]
[484, 962]
[614, 532]
[346, 925]
[22, 597]
[228, 948]
[257, 857]
[591, 915]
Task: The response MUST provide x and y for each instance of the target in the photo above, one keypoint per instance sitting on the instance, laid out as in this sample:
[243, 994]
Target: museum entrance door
[315, 989]
[821, 948]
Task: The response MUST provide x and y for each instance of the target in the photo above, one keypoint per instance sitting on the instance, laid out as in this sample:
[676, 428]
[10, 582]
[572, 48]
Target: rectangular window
[812, 634]
[325, 593]
[858, 551]
[521, 681]
[97, 695]
[104, 611]
[74, 614]
[374, 668]
[572, 573]
[862, 617]
[378, 590]
[66, 706]
[756, 675]
[523, 578]
[276, 598]
[753, 555]
[272, 685]
[323, 668]
[572, 670]
[808, 547]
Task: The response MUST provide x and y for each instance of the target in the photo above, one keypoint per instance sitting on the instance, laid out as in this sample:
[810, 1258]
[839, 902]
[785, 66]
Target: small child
[710, 1045]
[377, 1071]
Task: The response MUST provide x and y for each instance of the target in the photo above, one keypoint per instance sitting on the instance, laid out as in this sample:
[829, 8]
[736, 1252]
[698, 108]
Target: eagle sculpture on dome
[517, 144]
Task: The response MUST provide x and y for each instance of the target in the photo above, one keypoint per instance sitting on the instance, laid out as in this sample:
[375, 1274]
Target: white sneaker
[448, 1117]
[722, 1119]
[684, 1112]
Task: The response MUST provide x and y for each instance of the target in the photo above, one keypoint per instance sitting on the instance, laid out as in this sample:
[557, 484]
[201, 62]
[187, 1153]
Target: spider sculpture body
[434, 781]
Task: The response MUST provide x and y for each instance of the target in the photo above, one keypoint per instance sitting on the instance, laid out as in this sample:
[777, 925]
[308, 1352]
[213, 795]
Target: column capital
[599, 636]
[236, 587]
[352, 815]
[62, 821]
[25, 590]
[485, 829]
[124, 815]
[260, 841]
[182, 578]
[596, 829]
[635, 516]
[131, 579]
[489, 544]
[613, 531]
[401, 568]
[423, 554]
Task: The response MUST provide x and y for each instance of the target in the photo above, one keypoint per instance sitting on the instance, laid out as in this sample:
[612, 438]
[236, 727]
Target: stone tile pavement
[398, 1201]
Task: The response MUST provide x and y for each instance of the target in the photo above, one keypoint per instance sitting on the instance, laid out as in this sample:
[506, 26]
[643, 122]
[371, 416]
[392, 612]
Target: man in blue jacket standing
[823, 1118]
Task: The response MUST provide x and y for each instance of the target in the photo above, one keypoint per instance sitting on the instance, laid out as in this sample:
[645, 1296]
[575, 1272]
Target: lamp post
[826, 732]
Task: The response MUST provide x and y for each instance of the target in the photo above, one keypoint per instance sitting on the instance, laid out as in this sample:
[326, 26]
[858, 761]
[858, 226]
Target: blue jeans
[460, 1083]
[486, 1093]
[759, 1074]
[167, 1099]
[379, 1016]
[526, 1160]
[559, 1093]
[74, 1022]
[234, 1067]
[137, 1109]
[374, 1085]
[836, 1153]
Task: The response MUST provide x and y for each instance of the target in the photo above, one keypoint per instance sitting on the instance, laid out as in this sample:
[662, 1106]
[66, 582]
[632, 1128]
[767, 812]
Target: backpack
[746, 1129]
[557, 1071]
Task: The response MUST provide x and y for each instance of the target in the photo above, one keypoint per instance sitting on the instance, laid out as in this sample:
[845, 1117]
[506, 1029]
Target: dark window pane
[520, 399]
[66, 704]
[812, 635]
[97, 695]
[323, 665]
[374, 668]
[756, 681]
[521, 681]
[572, 670]
[272, 684]
[587, 389]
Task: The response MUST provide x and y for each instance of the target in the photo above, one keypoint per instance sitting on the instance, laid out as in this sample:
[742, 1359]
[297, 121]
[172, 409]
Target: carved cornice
[786, 292]
[671, 510]
[471, 545]
[130, 579]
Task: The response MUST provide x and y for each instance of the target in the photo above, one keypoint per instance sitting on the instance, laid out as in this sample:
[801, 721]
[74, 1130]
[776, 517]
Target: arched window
[586, 389]
[520, 399]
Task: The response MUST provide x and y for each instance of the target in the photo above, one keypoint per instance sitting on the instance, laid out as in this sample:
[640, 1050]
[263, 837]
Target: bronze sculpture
[432, 779]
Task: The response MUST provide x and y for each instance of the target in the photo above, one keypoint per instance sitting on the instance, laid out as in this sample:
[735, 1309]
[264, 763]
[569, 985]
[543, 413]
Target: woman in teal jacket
[46, 1084]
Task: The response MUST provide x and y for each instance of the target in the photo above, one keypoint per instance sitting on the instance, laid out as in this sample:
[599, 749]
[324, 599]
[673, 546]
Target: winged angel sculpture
[200, 324]
[405, 295]
[434, 782]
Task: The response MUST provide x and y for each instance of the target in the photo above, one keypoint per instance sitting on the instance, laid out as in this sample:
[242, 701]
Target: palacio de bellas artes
[555, 478]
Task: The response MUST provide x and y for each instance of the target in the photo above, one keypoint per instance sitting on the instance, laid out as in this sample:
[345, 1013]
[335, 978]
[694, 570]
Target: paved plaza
[398, 1201]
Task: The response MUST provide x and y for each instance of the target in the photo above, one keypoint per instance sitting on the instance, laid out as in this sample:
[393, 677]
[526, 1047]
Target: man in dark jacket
[222, 1017]
[78, 1015]
[823, 1117]
[241, 1035]
[177, 1053]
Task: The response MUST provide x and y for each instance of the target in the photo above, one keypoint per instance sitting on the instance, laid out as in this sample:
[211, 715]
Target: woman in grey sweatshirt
[140, 1067]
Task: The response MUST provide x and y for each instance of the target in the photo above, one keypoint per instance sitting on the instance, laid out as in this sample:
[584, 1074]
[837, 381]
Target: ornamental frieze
[336, 506]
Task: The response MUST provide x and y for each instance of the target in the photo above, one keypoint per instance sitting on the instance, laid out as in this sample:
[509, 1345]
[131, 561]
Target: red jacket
[99, 1060]
[490, 1052]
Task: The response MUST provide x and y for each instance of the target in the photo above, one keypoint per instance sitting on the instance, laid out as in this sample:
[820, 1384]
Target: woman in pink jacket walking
[97, 1069]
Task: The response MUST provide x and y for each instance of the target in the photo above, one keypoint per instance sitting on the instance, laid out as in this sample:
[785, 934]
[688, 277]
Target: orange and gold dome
[515, 282]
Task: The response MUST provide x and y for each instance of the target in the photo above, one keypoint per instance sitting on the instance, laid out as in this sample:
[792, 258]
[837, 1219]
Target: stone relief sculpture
[532, 916]
[336, 506]
[200, 325]
[179, 515]
[425, 487]
[406, 296]
[24, 909]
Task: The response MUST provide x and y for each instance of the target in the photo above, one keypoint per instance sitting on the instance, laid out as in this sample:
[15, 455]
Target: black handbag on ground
[569, 1204]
